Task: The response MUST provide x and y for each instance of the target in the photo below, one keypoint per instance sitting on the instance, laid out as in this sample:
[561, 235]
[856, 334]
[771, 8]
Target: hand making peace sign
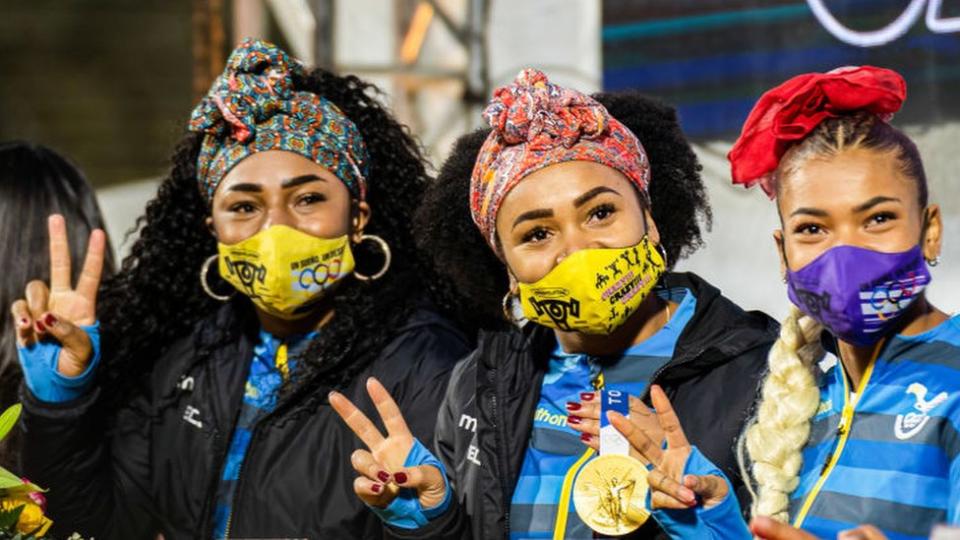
[57, 312]
[670, 487]
[381, 468]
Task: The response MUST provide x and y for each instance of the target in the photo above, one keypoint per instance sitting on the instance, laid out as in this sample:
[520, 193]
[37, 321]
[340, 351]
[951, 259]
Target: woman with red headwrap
[860, 412]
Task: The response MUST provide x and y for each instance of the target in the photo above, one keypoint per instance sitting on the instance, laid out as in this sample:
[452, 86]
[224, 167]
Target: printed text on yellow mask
[593, 291]
[283, 270]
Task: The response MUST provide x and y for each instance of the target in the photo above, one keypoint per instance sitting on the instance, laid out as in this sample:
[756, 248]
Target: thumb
[77, 348]
[710, 488]
[427, 480]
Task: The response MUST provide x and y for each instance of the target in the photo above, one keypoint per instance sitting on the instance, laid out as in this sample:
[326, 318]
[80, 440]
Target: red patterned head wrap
[536, 124]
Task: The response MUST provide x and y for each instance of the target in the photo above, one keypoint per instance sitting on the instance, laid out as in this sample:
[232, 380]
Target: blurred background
[110, 83]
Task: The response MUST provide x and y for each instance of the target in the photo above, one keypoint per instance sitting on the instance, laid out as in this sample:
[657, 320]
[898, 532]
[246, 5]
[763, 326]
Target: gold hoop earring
[204, 270]
[507, 305]
[934, 261]
[663, 253]
[387, 257]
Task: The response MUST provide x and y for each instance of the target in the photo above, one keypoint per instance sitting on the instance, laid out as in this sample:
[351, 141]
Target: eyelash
[243, 207]
[805, 228]
[530, 235]
[887, 216]
[606, 207]
[311, 198]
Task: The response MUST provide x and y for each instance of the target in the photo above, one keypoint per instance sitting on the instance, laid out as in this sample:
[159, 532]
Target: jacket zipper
[501, 457]
[254, 435]
[217, 471]
[236, 493]
[843, 431]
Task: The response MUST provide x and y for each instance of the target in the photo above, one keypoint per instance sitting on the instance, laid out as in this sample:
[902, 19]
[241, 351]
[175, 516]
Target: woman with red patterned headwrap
[584, 202]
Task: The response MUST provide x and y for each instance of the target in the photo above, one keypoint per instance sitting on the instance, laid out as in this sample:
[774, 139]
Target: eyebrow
[302, 179]
[873, 202]
[809, 212]
[248, 187]
[532, 214]
[585, 198]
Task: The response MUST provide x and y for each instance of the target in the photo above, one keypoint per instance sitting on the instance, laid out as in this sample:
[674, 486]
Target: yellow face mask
[285, 271]
[593, 291]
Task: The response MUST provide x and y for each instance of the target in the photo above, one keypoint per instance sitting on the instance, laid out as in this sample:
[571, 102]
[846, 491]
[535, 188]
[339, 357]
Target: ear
[931, 241]
[360, 216]
[781, 251]
[514, 284]
[210, 227]
[652, 231]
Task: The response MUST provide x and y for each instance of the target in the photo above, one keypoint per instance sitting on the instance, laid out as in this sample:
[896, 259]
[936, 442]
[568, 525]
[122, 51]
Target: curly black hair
[478, 279]
[156, 298]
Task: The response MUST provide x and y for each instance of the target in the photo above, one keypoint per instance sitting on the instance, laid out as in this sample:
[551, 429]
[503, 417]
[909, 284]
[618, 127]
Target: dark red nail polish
[383, 476]
[376, 488]
[575, 420]
[24, 322]
[41, 327]
[585, 437]
[49, 319]
[586, 396]
[573, 406]
[401, 478]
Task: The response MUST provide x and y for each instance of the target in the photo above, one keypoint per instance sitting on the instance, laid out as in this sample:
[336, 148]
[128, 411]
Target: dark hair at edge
[858, 130]
[36, 181]
[157, 297]
[446, 231]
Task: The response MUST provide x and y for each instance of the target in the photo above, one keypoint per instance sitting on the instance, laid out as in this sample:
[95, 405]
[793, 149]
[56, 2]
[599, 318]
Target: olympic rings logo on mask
[320, 275]
[891, 293]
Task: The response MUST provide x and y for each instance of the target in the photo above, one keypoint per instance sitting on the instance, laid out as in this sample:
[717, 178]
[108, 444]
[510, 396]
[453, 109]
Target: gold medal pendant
[610, 494]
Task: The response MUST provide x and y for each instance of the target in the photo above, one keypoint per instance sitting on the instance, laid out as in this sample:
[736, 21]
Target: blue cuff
[722, 521]
[405, 511]
[39, 363]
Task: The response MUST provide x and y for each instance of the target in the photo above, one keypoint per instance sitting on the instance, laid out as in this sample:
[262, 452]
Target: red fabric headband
[789, 112]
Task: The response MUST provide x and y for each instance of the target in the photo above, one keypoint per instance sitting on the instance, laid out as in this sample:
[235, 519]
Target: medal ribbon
[611, 441]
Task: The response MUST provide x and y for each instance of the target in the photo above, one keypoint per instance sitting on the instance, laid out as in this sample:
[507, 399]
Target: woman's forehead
[563, 183]
[844, 180]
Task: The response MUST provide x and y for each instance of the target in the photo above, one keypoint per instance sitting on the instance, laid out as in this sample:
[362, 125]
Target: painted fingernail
[24, 322]
[41, 327]
[376, 488]
[400, 478]
[688, 495]
[49, 319]
[585, 437]
[573, 406]
[383, 476]
[586, 396]
[575, 420]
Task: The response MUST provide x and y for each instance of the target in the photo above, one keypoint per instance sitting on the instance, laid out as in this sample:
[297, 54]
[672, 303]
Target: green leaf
[9, 518]
[11, 484]
[9, 419]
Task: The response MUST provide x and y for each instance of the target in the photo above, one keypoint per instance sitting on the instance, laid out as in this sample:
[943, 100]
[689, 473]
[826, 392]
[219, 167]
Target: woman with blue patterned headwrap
[188, 395]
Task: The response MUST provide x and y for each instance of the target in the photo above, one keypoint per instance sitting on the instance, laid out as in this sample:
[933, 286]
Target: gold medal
[610, 494]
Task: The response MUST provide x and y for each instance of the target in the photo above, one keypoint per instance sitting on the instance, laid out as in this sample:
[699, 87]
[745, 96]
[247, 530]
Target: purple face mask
[858, 293]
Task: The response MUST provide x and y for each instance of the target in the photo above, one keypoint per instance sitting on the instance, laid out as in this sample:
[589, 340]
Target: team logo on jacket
[908, 425]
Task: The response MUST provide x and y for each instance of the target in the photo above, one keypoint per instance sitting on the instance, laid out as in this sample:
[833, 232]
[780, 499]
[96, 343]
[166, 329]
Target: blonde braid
[789, 398]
